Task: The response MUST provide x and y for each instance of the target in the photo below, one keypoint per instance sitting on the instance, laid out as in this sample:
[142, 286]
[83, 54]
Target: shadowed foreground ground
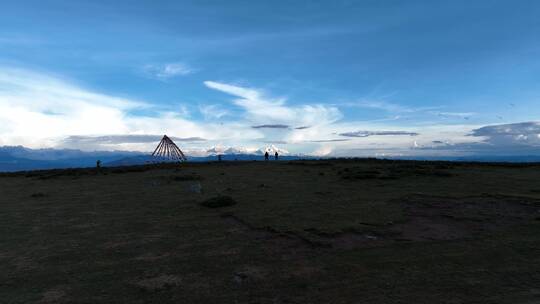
[361, 231]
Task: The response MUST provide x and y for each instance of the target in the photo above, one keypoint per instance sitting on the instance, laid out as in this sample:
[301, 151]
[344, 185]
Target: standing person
[98, 164]
[276, 155]
[266, 155]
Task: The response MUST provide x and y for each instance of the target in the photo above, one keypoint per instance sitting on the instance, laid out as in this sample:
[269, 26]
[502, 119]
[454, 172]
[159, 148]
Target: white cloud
[380, 105]
[406, 110]
[271, 127]
[505, 139]
[213, 111]
[385, 106]
[34, 107]
[168, 70]
[262, 109]
[377, 133]
[324, 150]
[39, 110]
[464, 115]
[516, 134]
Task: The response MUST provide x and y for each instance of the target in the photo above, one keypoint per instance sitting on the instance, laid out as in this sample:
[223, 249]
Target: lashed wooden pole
[168, 150]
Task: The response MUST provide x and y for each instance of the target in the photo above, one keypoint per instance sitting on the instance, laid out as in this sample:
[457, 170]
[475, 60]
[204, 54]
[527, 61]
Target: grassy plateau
[328, 231]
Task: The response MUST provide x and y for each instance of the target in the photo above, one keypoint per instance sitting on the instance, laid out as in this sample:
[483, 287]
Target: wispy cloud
[397, 108]
[42, 110]
[270, 127]
[255, 102]
[39, 110]
[452, 114]
[168, 70]
[403, 111]
[260, 107]
[380, 105]
[124, 139]
[275, 142]
[377, 133]
[34, 105]
[213, 111]
[329, 140]
[385, 106]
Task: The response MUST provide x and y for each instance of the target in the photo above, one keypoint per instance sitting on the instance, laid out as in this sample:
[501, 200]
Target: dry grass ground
[357, 231]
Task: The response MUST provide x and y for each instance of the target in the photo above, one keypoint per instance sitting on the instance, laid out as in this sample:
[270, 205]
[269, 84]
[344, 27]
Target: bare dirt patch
[56, 295]
[25, 263]
[449, 218]
[427, 218]
[287, 245]
[391, 172]
[349, 239]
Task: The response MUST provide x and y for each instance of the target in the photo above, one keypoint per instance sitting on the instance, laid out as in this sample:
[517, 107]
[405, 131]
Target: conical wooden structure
[168, 150]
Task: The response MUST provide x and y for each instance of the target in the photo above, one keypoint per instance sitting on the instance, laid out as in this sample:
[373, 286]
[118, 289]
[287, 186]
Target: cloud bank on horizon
[394, 83]
[42, 111]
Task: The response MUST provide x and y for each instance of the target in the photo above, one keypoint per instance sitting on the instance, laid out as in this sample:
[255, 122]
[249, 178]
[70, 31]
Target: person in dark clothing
[219, 157]
[276, 155]
[266, 155]
[98, 164]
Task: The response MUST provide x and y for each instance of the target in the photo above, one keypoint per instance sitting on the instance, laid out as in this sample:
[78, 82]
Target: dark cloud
[376, 133]
[122, 139]
[524, 133]
[277, 126]
[516, 138]
[437, 142]
[505, 139]
[302, 127]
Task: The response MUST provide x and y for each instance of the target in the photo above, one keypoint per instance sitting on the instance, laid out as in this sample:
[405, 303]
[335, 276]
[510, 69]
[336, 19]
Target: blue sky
[317, 77]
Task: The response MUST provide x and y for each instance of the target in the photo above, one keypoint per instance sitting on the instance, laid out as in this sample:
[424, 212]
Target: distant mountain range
[145, 159]
[18, 158]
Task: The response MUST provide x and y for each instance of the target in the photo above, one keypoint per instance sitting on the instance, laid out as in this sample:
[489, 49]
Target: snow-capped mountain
[18, 158]
[242, 150]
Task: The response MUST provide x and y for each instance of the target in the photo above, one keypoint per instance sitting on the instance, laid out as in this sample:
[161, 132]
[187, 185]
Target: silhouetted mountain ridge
[18, 158]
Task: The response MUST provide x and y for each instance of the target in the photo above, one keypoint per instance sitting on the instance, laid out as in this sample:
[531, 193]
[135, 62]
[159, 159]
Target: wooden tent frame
[168, 150]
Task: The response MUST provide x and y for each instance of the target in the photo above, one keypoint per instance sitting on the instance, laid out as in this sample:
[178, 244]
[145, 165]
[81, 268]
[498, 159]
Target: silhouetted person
[98, 164]
[219, 157]
[276, 155]
[266, 155]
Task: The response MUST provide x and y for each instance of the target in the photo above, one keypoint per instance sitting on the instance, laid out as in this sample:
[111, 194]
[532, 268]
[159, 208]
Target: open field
[337, 231]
